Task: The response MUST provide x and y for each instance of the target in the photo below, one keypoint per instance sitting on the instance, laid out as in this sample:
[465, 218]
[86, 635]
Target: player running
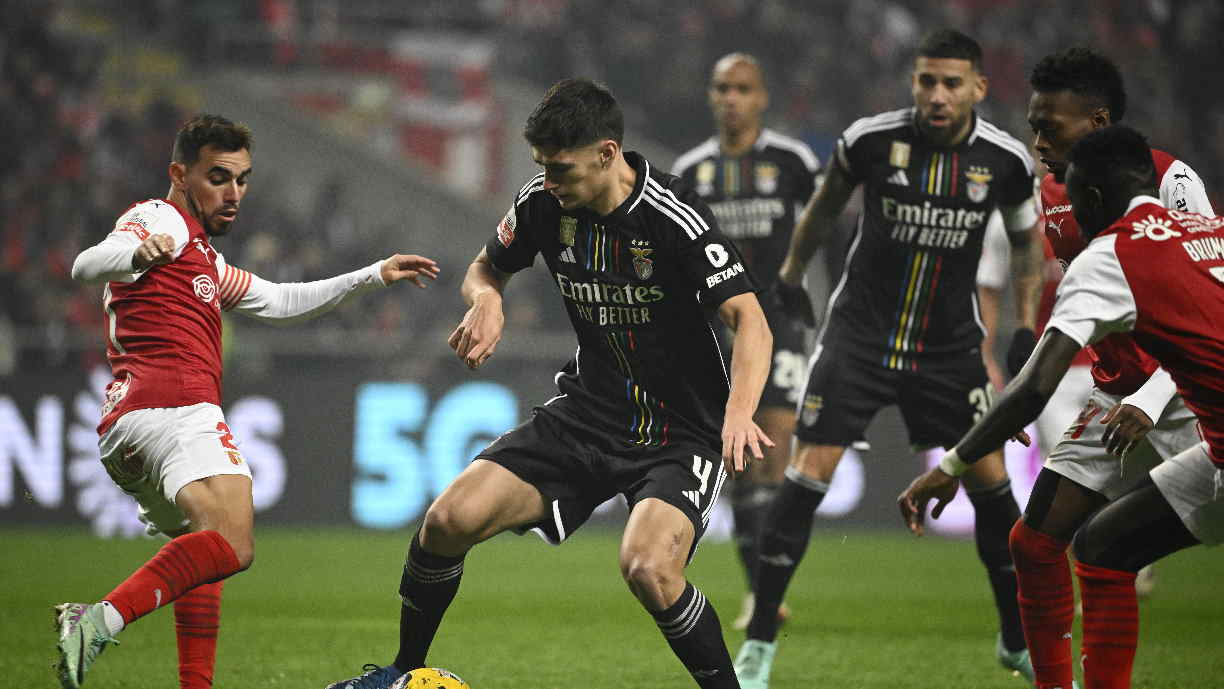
[902, 325]
[163, 437]
[1155, 273]
[1133, 411]
[645, 408]
[755, 181]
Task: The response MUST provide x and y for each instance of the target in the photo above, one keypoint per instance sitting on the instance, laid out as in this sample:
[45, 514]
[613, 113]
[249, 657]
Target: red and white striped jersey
[164, 324]
[1159, 275]
[1118, 366]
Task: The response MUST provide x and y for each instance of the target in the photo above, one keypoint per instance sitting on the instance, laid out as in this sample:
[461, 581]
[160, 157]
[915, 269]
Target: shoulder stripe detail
[643, 190]
[772, 138]
[695, 155]
[234, 285]
[682, 213]
[536, 184]
[1007, 142]
[885, 120]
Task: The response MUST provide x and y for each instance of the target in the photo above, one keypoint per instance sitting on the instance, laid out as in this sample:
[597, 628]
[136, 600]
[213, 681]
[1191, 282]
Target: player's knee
[650, 578]
[447, 524]
[1090, 549]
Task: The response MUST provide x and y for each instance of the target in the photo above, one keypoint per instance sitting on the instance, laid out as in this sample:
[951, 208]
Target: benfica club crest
[643, 265]
[705, 178]
[568, 230]
[766, 177]
[979, 183]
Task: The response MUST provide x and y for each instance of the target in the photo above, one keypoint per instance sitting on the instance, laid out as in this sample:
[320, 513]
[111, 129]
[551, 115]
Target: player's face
[945, 91]
[1087, 203]
[737, 96]
[575, 176]
[214, 186]
[1059, 119]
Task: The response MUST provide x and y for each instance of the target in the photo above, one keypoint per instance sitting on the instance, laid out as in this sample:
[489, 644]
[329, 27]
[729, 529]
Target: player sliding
[645, 408]
[1133, 410]
[903, 326]
[163, 437]
[1155, 273]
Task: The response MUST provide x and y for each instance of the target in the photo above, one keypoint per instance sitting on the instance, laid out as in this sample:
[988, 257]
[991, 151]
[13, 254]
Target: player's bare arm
[753, 345]
[1026, 263]
[1019, 405]
[477, 335]
[816, 223]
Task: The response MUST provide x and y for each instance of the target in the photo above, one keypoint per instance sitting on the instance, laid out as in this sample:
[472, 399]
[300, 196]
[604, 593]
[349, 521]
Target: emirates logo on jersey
[204, 288]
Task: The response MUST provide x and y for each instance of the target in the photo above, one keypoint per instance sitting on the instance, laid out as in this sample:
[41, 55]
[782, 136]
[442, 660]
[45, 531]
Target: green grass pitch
[876, 610]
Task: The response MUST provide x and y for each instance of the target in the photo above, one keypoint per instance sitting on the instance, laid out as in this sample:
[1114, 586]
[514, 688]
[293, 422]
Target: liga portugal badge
[568, 230]
[642, 265]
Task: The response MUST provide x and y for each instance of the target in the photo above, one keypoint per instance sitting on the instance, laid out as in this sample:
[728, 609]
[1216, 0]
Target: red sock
[1111, 626]
[197, 619]
[1047, 603]
[181, 565]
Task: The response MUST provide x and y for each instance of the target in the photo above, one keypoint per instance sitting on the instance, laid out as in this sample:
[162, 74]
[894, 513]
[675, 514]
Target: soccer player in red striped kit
[163, 437]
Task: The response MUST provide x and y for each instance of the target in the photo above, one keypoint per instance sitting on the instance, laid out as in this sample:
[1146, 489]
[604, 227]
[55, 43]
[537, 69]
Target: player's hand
[791, 300]
[1024, 341]
[408, 267]
[1023, 438]
[480, 330]
[913, 501]
[740, 431]
[155, 250]
[1126, 425]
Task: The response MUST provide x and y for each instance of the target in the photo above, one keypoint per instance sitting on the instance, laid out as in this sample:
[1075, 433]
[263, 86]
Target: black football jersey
[756, 197]
[639, 285]
[908, 288]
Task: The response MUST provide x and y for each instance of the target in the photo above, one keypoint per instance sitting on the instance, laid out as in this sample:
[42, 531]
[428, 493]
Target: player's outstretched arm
[816, 224]
[1019, 405]
[120, 256]
[477, 335]
[751, 351]
[1026, 267]
[284, 303]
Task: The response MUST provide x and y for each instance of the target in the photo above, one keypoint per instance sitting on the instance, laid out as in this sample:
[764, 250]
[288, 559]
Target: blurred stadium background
[383, 125]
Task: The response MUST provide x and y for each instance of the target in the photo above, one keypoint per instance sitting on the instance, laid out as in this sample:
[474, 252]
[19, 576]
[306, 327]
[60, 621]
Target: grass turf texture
[875, 610]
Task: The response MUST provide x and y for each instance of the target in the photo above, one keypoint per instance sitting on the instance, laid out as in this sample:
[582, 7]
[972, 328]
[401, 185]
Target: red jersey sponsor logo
[136, 227]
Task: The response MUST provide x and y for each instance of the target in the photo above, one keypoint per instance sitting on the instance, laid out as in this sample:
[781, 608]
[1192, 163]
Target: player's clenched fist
[155, 250]
[480, 330]
[408, 267]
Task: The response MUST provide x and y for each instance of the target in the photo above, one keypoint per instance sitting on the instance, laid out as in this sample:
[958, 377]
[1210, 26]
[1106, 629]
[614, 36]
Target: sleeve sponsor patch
[135, 224]
[505, 229]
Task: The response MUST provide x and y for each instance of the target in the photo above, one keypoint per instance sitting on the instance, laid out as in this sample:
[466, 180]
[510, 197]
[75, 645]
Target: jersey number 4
[702, 468]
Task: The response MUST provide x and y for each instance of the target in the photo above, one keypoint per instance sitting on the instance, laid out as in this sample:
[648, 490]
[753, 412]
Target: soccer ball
[429, 678]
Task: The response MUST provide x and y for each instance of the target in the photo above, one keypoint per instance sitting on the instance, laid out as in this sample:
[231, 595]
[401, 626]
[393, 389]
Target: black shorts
[848, 384]
[788, 362]
[577, 471]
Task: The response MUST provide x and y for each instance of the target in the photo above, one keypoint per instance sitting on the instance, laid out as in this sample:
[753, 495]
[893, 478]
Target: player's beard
[219, 230]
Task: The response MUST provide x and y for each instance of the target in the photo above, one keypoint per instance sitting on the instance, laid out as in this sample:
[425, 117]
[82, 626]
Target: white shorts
[1194, 487]
[152, 453]
[1081, 456]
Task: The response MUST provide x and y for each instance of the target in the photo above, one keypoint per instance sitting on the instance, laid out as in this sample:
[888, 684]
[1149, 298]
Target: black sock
[428, 586]
[749, 504]
[692, 630]
[995, 512]
[784, 539]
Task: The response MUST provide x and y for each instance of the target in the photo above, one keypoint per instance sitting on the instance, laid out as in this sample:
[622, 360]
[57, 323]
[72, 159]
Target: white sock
[112, 617]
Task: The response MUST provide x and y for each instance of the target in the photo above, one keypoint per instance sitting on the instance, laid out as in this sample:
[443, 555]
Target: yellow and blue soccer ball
[430, 678]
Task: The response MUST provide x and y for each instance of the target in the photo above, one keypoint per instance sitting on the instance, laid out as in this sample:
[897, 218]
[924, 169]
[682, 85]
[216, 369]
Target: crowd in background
[79, 154]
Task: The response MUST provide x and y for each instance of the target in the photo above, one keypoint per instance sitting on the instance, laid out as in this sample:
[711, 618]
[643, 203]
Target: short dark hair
[1114, 157]
[209, 130]
[575, 113]
[1086, 74]
[950, 43]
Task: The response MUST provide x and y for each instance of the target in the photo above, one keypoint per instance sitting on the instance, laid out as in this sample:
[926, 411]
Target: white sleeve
[1154, 396]
[1182, 189]
[291, 302]
[111, 259]
[1094, 299]
[996, 255]
[1021, 217]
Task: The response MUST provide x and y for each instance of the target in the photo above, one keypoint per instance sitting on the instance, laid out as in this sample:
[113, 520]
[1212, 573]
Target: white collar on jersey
[1140, 200]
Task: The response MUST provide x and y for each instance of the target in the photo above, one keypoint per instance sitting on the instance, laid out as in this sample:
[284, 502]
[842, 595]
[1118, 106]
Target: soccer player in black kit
[756, 181]
[645, 409]
[902, 325]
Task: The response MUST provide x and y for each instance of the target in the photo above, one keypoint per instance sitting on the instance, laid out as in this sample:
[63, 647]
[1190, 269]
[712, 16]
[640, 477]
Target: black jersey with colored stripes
[908, 289]
[639, 285]
[756, 197]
